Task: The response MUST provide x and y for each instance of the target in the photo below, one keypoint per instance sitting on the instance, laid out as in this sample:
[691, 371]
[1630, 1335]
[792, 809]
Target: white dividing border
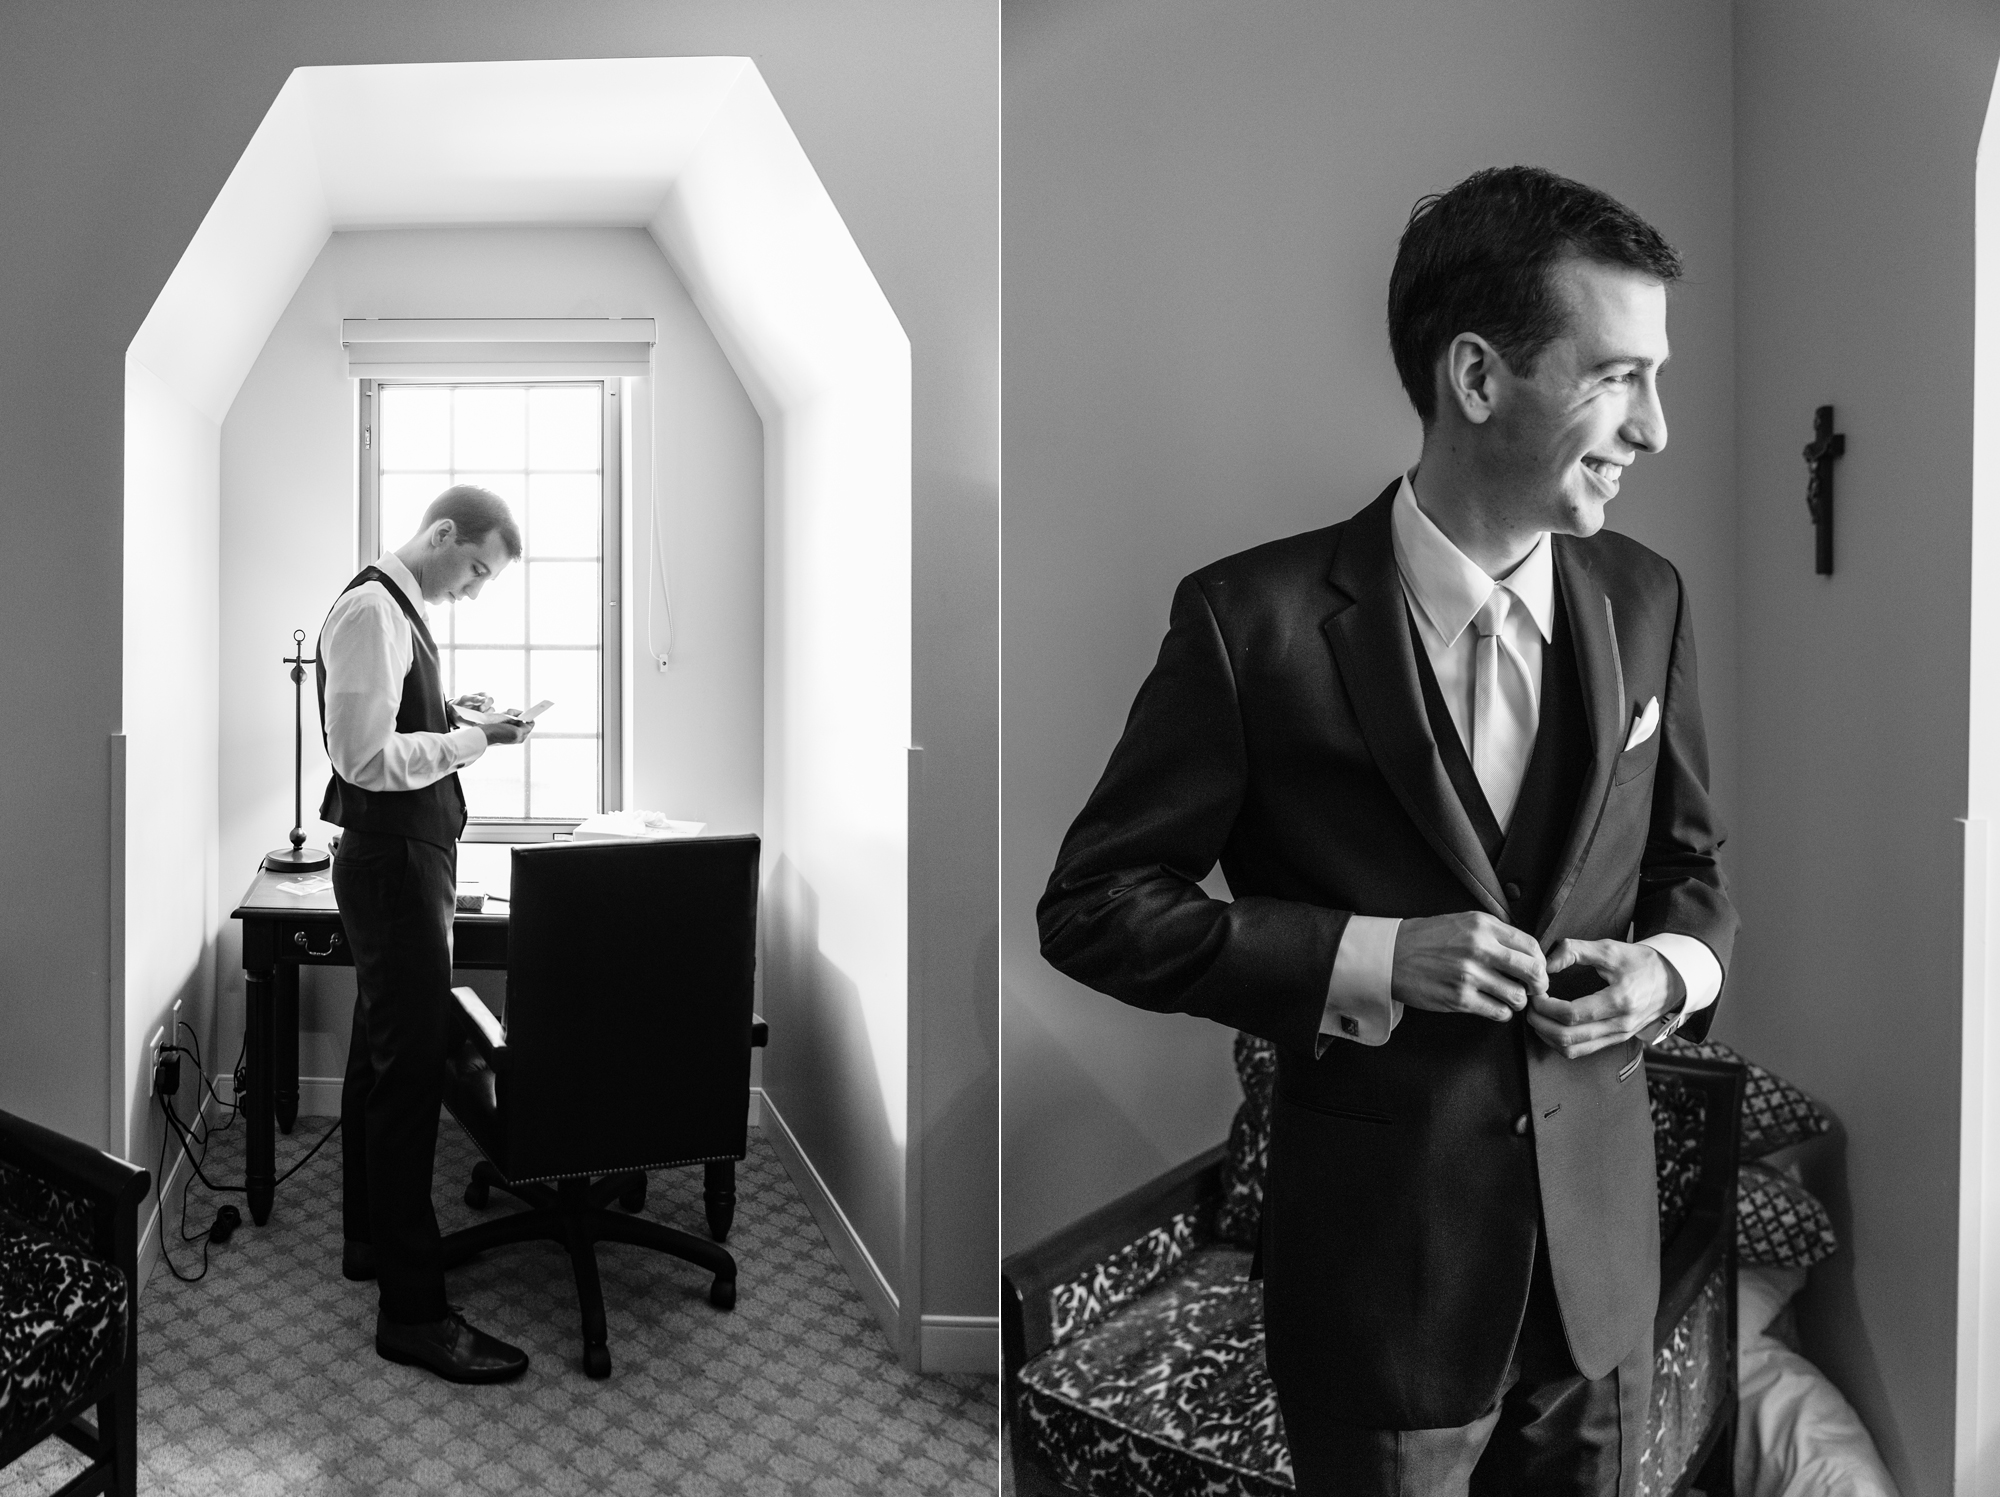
[1976, 1458]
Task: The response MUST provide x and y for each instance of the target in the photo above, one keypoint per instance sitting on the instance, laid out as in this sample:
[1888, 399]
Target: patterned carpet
[263, 1379]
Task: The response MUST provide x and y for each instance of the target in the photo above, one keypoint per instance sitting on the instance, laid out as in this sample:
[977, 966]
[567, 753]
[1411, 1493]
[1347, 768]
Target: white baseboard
[960, 1343]
[834, 1226]
[319, 1096]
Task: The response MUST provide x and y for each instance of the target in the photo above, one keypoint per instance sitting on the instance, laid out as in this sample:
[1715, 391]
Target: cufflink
[1350, 1026]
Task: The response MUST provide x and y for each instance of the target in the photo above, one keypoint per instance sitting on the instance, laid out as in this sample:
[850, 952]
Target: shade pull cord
[656, 560]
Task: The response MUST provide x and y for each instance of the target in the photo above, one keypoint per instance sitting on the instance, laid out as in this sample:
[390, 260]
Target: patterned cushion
[1679, 1111]
[1779, 1221]
[1776, 1114]
[1121, 1278]
[1249, 1143]
[61, 1214]
[1690, 1382]
[62, 1327]
[1170, 1395]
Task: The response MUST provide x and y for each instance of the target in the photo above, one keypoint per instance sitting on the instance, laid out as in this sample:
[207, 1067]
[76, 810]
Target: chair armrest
[111, 1188]
[1708, 1234]
[484, 1030]
[1029, 1277]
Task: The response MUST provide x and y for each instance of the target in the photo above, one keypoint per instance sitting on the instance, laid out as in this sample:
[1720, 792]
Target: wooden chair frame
[114, 1190]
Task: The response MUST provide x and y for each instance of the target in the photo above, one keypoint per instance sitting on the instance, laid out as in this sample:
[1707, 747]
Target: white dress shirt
[1445, 589]
[367, 644]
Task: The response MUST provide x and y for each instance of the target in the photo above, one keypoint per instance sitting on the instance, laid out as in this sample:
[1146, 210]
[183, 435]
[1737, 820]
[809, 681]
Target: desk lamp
[298, 858]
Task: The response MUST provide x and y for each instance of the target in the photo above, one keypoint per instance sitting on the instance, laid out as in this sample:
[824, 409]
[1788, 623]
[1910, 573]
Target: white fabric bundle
[1796, 1436]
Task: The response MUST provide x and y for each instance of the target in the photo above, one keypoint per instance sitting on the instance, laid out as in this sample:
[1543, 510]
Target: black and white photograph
[1453, 1042]
[497, 939]
[1000, 748]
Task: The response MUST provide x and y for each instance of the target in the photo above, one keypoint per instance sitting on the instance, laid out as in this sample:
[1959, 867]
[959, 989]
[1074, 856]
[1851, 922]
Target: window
[546, 626]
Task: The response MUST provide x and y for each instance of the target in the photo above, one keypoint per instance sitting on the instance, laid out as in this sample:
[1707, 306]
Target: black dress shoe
[357, 1261]
[450, 1348]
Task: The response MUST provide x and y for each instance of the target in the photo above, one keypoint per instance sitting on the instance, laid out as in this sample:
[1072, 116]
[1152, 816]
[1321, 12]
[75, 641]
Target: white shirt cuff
[466, 744]
[1358, 1005]
[1701, 973]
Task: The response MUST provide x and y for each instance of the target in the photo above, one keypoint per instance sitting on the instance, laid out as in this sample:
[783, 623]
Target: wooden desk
[281, 933]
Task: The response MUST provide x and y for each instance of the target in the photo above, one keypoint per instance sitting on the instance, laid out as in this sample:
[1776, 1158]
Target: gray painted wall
[1857, 127]
[122, 120]
[1202, 207]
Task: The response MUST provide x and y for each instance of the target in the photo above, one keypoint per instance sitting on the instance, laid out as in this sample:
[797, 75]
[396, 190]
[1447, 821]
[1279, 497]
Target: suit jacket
[1282, 732]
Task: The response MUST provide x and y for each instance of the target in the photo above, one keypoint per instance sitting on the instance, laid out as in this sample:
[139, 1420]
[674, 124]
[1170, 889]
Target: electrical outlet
[153, 1058]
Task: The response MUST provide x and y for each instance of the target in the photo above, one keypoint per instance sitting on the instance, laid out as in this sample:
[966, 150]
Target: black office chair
[626, 1049]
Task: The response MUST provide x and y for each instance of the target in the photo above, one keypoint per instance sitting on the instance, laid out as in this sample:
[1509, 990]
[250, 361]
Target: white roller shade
[497, 347]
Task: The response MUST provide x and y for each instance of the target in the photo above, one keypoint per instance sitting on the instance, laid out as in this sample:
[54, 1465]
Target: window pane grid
[510, 438]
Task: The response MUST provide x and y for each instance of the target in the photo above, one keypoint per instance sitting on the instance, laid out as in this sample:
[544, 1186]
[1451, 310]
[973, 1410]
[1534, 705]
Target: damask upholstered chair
[69, 1325]
[1134, 1339]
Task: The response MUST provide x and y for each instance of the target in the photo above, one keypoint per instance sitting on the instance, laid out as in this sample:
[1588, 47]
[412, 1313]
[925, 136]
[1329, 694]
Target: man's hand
[478, 701]
[1469, 963]
[1641, 985]
[506, 731]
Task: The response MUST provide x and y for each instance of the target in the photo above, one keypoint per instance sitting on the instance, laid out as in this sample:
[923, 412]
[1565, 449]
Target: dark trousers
[396, 898]
[1551, 1433]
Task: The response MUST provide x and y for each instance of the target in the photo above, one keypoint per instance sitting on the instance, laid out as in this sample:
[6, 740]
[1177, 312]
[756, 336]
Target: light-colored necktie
[1503, 709]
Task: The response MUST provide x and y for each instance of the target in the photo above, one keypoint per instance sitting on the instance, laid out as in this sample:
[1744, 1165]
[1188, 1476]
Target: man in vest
[396, 747]
[1449, 755]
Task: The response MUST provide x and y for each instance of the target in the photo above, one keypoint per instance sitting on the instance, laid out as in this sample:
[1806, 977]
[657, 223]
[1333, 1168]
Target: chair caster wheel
[722, 1293]
[633, 1197]
[476, 1195]
[597, 1361]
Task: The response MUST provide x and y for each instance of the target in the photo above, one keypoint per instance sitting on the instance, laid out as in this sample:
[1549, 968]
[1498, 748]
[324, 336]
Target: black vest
[433, 814]
[1525, 856]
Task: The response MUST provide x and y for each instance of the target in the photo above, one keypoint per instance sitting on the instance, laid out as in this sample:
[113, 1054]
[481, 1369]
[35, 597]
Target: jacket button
[1513, 891]
[1521, 1125]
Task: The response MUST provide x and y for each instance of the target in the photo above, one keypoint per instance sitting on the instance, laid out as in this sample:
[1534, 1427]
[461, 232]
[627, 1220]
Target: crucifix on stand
[1826, 445]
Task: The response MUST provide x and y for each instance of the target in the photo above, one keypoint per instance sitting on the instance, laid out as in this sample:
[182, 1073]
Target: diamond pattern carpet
[263, 1378]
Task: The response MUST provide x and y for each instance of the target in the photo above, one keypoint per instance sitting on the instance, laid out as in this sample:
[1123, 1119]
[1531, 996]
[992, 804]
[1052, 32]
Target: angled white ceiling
[693, 148]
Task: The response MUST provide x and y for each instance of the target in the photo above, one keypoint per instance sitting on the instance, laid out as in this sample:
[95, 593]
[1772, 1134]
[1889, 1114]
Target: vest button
[1513, 891]
[1521, 1125]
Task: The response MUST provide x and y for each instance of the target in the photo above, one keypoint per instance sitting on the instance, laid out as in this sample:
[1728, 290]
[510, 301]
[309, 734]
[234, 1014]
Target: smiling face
[1555, 442]
[451, 568]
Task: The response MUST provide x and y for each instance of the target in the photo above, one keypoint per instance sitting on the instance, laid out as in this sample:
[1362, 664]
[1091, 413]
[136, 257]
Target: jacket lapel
[1370, 637]
[1594, 630]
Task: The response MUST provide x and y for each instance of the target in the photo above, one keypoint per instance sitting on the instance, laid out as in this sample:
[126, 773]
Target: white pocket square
[1648, 722]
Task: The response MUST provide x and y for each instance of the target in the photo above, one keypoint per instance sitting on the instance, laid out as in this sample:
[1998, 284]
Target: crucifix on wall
[1826, 445]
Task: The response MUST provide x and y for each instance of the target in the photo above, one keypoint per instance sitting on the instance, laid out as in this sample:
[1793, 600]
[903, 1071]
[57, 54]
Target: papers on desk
[311, 884]
[627, 826]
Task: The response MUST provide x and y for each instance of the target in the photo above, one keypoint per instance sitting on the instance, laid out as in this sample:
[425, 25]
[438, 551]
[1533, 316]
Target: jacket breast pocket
[1637, 761]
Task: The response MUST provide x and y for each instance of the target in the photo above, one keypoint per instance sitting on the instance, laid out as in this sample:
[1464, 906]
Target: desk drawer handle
[332, 941]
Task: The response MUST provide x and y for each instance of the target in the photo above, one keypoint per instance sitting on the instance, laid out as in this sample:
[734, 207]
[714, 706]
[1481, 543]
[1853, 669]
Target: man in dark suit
[1449, 755]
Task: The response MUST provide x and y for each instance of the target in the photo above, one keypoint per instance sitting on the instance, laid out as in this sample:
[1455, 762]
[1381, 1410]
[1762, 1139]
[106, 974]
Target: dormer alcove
[772, 441]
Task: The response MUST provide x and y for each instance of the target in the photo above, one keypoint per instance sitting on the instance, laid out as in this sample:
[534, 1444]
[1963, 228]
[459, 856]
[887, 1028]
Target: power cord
[167, 1088]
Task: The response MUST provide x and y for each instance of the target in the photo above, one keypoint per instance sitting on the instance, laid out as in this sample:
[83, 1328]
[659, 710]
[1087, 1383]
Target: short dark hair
[1477, 259]
[476, 513]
